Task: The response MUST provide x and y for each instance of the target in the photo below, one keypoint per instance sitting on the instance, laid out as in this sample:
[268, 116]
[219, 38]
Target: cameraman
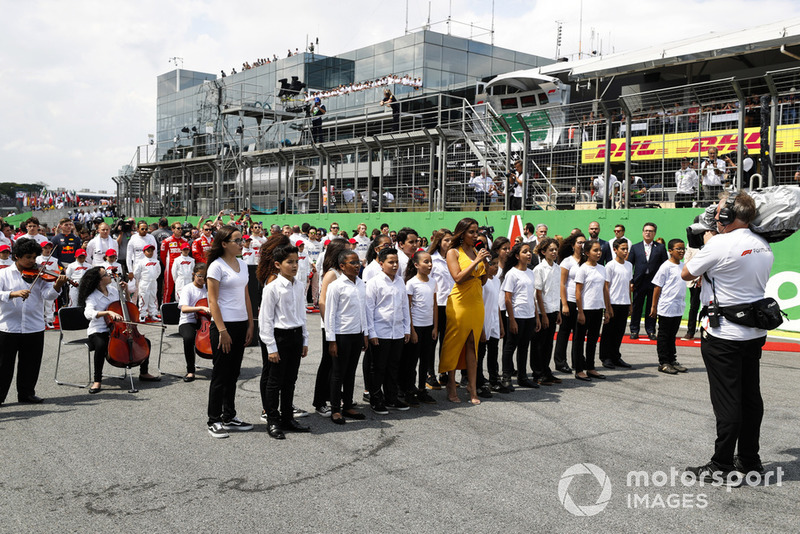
[317, 111]
[735, 265]
[713, 173]
[121, 232]
[748, 166]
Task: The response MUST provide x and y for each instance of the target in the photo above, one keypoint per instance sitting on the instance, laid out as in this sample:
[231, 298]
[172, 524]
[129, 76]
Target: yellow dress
[464, 315]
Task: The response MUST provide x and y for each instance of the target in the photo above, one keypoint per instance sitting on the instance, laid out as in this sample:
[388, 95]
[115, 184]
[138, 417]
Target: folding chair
[72, 319]
[170, 315]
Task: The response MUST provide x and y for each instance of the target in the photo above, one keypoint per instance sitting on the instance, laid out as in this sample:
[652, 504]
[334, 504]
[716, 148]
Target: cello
[202, 340]
[127, 347]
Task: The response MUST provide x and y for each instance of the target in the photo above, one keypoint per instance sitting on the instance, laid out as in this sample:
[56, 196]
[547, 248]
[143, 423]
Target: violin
[202, 341]
[127, 347]
[30, 276]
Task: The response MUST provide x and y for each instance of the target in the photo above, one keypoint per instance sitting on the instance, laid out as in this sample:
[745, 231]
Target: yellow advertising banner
[653, 147]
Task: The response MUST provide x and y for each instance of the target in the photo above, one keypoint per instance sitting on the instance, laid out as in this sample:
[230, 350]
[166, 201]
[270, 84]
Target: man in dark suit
[594, 233]
[646, 257]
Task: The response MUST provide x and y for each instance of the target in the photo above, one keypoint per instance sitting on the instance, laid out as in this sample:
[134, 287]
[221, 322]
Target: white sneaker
[324, 411]
[217, 431]
[298, 413]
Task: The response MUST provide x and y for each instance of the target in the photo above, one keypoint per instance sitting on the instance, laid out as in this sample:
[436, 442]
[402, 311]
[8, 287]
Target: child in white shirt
[389, 328]
[182, 268]
[547, 282]
[248, 254]
[618, 280]
[669, 302]
[520, 296]
[146, 272]
[5, 256]
[421, 290]
[75, 272]
[188, 323]
[493, 330]
[49, 263]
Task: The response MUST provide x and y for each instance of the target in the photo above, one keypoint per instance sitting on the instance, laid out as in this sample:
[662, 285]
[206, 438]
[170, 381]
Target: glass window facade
[189, 99]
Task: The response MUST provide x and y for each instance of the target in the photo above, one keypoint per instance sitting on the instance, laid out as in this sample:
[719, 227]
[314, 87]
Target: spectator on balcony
[713, 172]
[748, 167]
[515, 182]
[483, 185]
[604, 190]
[686, 184]
[317, 111]
[694, 116]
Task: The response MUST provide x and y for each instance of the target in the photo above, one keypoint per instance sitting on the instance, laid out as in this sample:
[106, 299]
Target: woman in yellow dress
[464, 308]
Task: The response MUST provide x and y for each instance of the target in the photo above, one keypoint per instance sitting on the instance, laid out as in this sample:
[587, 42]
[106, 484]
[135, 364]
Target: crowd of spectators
[391, 79]
[266, 60]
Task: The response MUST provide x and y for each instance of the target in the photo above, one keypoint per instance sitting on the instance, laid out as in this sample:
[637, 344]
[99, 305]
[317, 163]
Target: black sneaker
[444, 378]
[432, 383]
[678, 367]
[667, 368]
[608, 364]
[397, 405]
[622, 363]
[236, 425]
[298, 413]
[425, 397]
[485, 392]
[747, 468]
[217, 431]
[365, 397]
[412, 399]
[380, 409]
[717, 476]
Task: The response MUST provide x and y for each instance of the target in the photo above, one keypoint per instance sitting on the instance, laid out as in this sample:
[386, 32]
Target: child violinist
[22, 323]
[95, 293]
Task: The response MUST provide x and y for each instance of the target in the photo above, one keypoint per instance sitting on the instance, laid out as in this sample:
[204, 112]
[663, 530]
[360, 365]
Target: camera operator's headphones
[727, 214]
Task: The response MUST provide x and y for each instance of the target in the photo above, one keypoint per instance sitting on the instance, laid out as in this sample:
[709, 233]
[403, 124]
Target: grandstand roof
[712, 45]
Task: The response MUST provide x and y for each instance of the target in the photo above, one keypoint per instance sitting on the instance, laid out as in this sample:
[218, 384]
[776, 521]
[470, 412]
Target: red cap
[47, 244]
[148, 246]
[327, 242]
[246, 237]
[352, 241]
[79, 252]
[299, 243]
[3, 248]
[183, 246]
[110, 252]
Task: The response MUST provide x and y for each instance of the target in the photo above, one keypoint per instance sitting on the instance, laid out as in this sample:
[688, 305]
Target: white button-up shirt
[97, 302]
[282, 306]
[19, 316]
[388, 316]
[345, 308]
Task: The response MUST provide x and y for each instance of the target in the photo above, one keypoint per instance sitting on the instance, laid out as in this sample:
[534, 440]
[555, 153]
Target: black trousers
[542, 348]
[413, 353]
[566, 328]
[515, 203]
[188, 332]
[613, 332]
[694, 309]
[442, 327]
[481, 199]
[98, 342]
[665, 341]
[490, 349]
[278, 378]
[642, 298]
[28, 347]
[322, 385]
[225, 373]
[386, 356]
[591, 329]
[518, 343]
[343, 370]
[734, 384]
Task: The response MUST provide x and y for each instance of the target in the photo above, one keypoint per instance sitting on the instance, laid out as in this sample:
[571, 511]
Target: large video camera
[777, 216]
[486, 231]
[123, 225]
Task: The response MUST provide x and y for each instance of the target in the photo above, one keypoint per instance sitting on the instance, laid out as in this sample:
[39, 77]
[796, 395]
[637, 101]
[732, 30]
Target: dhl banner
[671, 146]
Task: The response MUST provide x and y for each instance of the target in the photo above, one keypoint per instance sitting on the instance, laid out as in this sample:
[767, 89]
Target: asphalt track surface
[122, 462]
